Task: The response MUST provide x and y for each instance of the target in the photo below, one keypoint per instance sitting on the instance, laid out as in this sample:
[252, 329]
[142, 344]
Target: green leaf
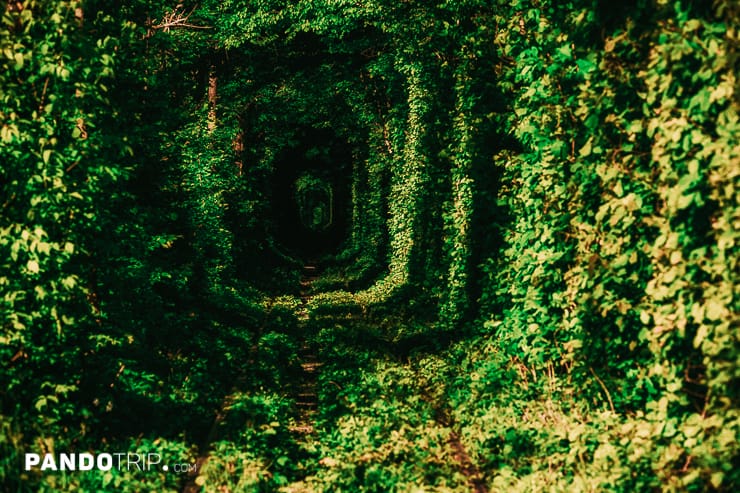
[585, 66]
[41, 403]
[715, 310]
[586, 149]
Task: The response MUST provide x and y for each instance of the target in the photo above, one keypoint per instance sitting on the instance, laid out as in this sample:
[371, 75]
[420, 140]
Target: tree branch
[177, 18]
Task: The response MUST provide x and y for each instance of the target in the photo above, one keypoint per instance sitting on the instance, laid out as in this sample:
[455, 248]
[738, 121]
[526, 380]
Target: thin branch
[177, 19]
[606, 391]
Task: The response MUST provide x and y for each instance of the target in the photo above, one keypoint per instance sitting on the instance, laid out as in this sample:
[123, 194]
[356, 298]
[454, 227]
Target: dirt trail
[305, 391]
[467, 466]
[464, 462]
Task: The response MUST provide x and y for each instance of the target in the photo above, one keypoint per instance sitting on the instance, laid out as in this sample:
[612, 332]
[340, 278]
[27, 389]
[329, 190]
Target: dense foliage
[525, 214]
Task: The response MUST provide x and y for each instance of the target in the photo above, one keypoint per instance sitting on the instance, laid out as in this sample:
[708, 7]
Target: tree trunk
[212, 98]
[239, 150]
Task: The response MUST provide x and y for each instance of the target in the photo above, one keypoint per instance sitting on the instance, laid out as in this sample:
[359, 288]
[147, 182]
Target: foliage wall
[617, 266]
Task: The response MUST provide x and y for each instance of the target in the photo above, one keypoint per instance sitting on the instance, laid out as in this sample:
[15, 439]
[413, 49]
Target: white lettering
[32, 460]
[105, 462]
[185, 467]
[48, 463]
[136, 462]
[118, 456]
[67, 462]
[85, 461]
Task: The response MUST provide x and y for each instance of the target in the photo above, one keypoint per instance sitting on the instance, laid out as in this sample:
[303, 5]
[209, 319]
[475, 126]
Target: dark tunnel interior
[311, 195]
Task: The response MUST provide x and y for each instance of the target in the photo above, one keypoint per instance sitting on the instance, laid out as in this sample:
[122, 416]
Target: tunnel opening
[311, 195]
